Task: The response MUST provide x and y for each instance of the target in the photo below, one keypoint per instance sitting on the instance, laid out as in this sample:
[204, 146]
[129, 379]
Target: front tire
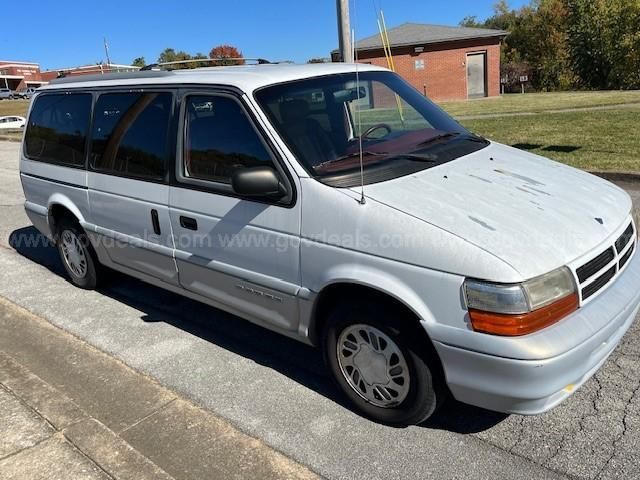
[386, 368]
[77, 255]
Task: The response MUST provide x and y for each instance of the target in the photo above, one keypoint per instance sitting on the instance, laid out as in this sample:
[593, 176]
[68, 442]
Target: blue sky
[65, 33]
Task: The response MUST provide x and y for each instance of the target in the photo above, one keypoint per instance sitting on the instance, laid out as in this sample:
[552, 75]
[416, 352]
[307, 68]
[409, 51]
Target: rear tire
[77, 255]
[388, 370]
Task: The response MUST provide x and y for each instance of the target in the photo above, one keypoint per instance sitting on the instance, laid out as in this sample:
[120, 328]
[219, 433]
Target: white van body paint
[498, 214]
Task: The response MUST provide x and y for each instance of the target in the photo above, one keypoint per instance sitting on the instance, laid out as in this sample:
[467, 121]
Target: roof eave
[499, 34]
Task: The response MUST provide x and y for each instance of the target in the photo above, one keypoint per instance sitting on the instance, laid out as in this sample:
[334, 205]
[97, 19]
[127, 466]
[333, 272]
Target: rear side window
[129, 134]
[57, 129]
[220, 139]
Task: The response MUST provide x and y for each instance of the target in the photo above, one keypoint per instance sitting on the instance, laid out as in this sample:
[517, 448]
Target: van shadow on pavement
[293, 359]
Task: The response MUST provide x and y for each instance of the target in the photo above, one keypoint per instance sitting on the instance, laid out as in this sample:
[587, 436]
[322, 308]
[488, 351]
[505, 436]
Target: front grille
[588, 270]
[625, 238]
[625, 258]
[599, 283]
[598, 272]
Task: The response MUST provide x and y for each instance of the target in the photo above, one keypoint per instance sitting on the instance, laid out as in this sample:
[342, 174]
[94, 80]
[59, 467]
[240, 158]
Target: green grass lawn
[13, 107]
[11, 135]
[540, 102]
[591, 140]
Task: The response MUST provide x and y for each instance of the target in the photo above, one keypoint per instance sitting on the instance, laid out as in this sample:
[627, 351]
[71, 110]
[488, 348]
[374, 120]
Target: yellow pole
[391, 62]
[386, 35]
[384, 45]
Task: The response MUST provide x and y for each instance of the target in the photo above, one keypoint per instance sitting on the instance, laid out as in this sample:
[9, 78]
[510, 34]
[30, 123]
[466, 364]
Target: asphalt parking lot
[277, 390]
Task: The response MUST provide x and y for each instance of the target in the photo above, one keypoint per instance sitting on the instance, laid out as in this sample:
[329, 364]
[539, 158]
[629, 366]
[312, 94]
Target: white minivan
[336, 205]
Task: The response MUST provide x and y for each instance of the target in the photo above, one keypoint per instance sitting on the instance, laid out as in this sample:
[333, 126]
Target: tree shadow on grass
[548, 148]
[561, 148]
[301, 363]
[526, 146]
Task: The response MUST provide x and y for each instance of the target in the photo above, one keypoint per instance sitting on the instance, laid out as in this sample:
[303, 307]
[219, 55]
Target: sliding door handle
[188, 223]
[155, 221]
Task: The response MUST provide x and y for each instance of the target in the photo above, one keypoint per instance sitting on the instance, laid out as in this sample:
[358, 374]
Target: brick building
[96, 69]
[445, 63]
[20, 75]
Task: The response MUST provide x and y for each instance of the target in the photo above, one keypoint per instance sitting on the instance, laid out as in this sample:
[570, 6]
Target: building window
[419, 63]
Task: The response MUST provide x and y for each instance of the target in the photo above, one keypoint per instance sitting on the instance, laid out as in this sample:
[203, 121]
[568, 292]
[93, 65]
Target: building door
[476, 75]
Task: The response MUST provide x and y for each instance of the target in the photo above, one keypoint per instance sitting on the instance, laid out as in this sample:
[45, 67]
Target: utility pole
[106, 51]
[344, 31]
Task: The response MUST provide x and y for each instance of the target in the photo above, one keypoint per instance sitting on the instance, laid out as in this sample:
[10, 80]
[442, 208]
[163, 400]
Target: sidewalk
[70, 412]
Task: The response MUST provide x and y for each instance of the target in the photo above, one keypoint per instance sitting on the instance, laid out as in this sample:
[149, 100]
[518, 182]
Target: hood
[533, 213]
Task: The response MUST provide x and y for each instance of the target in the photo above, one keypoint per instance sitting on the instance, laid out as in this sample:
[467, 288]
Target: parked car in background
[6, 94]
[12, 122]
[27, 93]
[335, 204]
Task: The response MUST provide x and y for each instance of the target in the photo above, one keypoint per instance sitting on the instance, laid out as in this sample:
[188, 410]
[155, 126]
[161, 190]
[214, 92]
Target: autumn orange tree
[224, 52]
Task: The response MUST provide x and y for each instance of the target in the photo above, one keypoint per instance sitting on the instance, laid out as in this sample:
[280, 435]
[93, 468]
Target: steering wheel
[379, 126]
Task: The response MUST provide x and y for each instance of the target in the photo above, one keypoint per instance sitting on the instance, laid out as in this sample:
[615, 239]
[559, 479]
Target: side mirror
[258, 182]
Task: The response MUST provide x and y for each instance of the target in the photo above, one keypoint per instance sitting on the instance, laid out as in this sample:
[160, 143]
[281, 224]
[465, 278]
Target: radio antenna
[362, 200]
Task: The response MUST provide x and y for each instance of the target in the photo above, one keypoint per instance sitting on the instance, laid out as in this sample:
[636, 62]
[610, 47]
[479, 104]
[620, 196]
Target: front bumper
[529, 387]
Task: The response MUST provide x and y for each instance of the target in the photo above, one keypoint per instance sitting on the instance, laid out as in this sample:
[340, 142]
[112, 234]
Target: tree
[511, 73]
[224, 52]
[471, 21]
[138, 62]
[569, 43]
[604, 42]
[536, 43]
[170, 55]
[547, 49]
[200, 64]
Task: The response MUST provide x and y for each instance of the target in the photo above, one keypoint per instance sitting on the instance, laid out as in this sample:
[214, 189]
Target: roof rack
[158, 66]
[153, 70]
[110, 76]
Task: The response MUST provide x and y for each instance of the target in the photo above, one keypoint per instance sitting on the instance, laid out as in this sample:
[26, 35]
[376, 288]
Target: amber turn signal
[522, 324]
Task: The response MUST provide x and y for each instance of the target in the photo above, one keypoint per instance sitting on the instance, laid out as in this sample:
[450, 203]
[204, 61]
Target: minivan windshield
[323, 120]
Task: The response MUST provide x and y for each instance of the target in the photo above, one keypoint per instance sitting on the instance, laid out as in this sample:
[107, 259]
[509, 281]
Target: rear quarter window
[57, 129]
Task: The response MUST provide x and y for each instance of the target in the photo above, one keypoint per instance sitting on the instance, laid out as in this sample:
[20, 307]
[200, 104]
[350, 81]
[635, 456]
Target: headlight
[518, 309]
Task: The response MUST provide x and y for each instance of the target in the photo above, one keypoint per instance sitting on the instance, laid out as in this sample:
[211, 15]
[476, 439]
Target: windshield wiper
[365, 153]
[438, 137]
[472, 137]
[415, 157]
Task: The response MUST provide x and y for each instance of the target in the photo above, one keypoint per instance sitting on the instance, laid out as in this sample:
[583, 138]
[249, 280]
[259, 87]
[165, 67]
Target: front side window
[57, 128]
[130, 133]
[324, 120]
[219, 139]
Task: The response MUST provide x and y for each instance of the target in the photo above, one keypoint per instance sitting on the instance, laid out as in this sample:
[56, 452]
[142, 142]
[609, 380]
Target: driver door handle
[188, 223]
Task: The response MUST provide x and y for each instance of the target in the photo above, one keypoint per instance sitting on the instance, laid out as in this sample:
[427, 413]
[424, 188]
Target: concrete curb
[124, 422]
[98, 444]
[617, 176]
